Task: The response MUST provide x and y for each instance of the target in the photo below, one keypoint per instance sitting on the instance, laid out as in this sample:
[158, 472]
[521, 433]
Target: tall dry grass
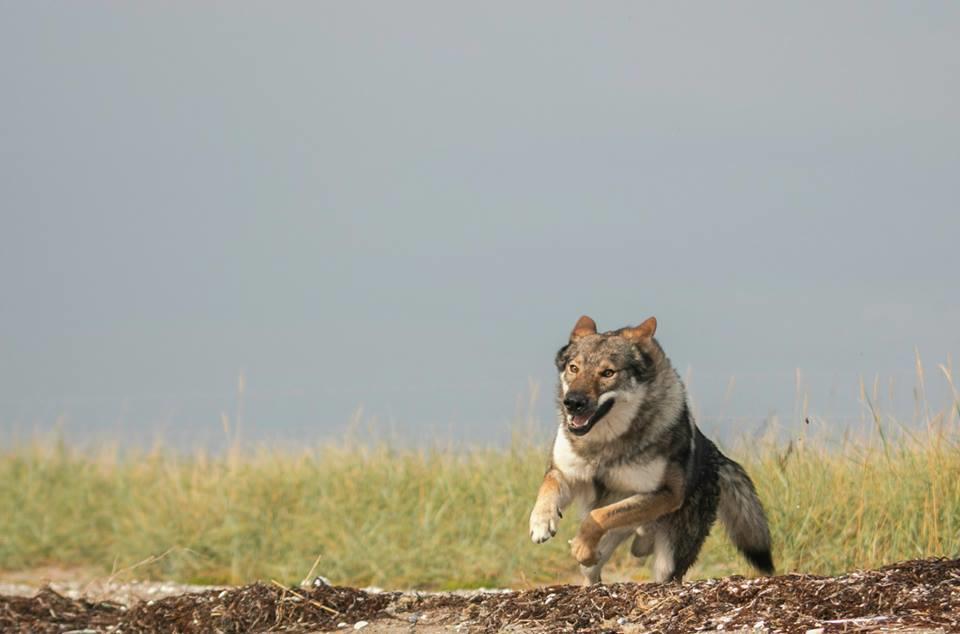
[373, 515]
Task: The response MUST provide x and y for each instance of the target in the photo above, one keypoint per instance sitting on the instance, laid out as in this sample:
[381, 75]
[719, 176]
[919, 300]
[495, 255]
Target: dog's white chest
[629, 478]
[636, 478]
[571, 465]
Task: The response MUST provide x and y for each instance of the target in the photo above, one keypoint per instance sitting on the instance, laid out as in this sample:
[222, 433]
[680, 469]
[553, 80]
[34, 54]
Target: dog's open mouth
[579, 425]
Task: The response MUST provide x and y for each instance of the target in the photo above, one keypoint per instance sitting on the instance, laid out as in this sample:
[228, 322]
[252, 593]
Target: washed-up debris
[48, 611]
[904, 596]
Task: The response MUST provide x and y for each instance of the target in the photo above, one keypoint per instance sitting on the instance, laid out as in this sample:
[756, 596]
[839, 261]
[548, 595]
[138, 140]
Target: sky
[387, 217]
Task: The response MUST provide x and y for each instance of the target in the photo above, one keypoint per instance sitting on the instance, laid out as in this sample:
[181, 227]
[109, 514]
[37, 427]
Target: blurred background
[220, 215]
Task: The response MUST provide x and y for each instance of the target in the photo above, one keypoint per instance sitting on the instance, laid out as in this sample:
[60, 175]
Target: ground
[922, 595]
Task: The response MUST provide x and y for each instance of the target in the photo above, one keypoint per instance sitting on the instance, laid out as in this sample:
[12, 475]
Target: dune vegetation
[439, 519]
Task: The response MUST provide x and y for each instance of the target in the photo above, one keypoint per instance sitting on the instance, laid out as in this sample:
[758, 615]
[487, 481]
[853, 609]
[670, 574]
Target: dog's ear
[642, 332]
[585, 326]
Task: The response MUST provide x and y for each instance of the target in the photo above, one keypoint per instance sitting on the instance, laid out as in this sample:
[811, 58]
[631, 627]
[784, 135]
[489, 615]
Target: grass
[440, 519]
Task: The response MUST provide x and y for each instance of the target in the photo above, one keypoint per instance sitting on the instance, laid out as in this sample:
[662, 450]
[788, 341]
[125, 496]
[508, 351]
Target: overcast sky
[406, 206]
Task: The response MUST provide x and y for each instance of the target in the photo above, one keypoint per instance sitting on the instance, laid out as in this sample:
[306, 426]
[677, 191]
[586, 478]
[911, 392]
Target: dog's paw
[584, 550]
[543, 523]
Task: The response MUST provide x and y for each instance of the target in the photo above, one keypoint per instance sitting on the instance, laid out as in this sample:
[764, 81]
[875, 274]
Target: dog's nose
[576, 402]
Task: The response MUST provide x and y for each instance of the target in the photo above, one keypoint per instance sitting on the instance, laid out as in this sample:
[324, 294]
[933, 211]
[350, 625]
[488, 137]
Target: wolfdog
[628, 450]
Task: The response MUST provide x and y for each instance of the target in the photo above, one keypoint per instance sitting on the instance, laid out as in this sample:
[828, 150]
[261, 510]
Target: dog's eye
[573, 369]
[608, 373]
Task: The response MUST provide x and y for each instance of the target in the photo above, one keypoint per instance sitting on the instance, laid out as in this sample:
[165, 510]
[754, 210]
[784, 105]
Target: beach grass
[370, 514]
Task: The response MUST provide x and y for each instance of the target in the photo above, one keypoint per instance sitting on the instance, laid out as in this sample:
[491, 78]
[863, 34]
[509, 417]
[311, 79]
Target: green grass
[402, 518]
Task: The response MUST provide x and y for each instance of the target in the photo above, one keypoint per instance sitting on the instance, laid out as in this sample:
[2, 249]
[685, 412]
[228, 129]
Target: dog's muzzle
[581, 414]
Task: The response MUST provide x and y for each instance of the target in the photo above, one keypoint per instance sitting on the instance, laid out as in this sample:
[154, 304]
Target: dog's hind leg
[664, 563]
[605, 549]
[642, 545]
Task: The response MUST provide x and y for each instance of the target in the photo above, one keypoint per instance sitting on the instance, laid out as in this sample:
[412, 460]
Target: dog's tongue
[579, 421]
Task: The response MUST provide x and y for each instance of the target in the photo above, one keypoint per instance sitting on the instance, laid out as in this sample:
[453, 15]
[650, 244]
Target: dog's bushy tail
[742, 515]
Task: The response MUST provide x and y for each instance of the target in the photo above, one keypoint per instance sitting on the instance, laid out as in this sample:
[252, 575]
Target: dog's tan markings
[584, 327]
[644, 331]
[584, 382]
[552, 496]
[551, 485]
[632, 511]
[578, 362]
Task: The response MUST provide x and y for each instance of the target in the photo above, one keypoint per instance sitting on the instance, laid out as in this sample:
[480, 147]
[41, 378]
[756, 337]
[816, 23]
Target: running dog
[628, 450]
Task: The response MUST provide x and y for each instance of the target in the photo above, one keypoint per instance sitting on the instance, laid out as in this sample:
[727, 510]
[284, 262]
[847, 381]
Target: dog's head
[601, 373]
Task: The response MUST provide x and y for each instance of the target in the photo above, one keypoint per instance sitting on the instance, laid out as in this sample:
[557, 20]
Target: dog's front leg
[553, 497]
[629, 512]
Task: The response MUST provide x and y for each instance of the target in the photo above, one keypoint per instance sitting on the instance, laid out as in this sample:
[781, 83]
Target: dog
[628, 450]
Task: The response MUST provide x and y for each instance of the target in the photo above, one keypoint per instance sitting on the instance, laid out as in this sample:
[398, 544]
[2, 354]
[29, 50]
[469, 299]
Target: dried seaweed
[906, 596]
[256, 608]
[48, 611]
